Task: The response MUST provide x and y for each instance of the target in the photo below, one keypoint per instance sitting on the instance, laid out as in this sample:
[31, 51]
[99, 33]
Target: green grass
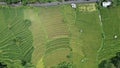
[111, 27]
[50, 33]
[84, 44]
[57, 44]
[38, 33]
[90, 37]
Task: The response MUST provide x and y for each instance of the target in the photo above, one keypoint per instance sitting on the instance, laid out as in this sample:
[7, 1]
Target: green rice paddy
[48, 36]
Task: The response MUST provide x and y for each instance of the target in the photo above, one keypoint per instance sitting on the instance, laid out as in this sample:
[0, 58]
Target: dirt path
[59, 3]
[52, 3]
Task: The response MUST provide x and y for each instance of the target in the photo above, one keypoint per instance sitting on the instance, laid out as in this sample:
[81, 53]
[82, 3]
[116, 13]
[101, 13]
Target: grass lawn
[85, 30]
[111, 27]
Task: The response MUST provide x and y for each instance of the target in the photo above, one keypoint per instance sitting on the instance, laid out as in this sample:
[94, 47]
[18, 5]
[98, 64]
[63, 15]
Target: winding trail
[102, 33]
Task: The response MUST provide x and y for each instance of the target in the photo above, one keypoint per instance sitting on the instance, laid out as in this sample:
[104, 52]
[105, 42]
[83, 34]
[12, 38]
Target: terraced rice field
[15, 37]
[39, 35]
[48, 36]
[53, 22]
[56, 33]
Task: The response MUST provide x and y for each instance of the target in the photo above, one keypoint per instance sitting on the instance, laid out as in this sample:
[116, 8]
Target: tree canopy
[113, 62]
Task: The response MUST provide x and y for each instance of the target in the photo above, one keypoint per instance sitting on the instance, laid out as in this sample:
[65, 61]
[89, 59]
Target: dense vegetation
[113, 62]
[116, 60]
[2, 65]
[63, 65]
[24, 2]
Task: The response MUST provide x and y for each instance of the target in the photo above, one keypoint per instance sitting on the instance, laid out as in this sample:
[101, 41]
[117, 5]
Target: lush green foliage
[12, 1]
[116, 60]
[3, 65]
[63, 65]
[115, 2]
[105, 64]
[24, 2]
[113, 62]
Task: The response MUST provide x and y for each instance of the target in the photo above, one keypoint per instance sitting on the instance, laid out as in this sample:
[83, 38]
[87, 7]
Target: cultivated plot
[50, 35]
[15, 37]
